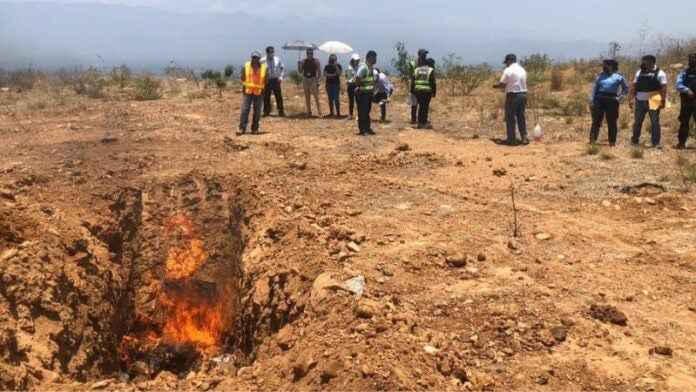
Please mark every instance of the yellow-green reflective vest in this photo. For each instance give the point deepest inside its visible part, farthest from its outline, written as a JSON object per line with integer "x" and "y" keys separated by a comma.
{"x": 421, "y": 78}
{"x": 367, "y": 84}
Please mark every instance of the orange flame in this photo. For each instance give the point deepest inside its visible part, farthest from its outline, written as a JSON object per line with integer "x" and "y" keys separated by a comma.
{"x": 190, "y": 317}
{"x": 185, "y": 259}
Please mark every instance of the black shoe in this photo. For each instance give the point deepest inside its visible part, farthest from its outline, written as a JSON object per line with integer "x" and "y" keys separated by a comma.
{"x": 592, "y": 142}
{"x": 680, "y": 146}
{"x": 413, "y": 122}
{"x": 281, "y": 114}
{"x": 370, "y": 132}
{"x": 254, "y": 131}
{"x": 361, "y": 133}
{"x": 612, "y": 144}
{"x": 266, "y": 114}
{"x": 525, "y": 140}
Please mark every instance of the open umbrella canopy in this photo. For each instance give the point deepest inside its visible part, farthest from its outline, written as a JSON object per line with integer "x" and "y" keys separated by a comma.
{"x": 299, "y": 45}
{"x": 335, "y": 47}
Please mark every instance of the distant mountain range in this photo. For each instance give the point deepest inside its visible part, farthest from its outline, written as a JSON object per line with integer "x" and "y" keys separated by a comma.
{"x": 51, "y": 36}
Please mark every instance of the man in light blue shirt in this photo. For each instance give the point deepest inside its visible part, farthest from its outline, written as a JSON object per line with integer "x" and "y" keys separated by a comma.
{"x": 686, "y": 84}
{"x": 605, "y": 98}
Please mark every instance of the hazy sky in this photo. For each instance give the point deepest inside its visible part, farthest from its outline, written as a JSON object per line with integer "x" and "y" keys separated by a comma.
{"x": 541, "y": 19}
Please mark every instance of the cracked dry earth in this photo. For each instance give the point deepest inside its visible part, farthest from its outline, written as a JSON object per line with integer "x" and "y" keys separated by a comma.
{"x": 597, "y": 293}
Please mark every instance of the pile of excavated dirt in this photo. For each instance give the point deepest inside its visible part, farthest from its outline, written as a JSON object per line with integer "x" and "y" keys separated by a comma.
{"x": 334, "y": 261}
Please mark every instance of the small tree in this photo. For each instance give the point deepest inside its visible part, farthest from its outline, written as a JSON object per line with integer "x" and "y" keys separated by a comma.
{"x": 537, "y": 63}
{"x": 402, "y": 63}
{"x": 229, "y": 71}
{"x": 147, "y": 88}
{"x": 452, "y": 70}
{"x": 211, "y": 74}
{"x": 121, "y": 75}
{"x": 472, "y": 76}
{"x": 295, "y": 77}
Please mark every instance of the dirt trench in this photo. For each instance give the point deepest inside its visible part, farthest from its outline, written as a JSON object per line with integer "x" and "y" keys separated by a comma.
{"x": 68, "y": 300}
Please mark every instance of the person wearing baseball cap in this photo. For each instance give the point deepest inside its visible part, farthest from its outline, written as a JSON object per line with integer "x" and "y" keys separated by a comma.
{"x": 254, "y": 75}
{"x": 514, "y": 81}
{"x": 350, "y": 83}
{"x": 420, "y": 61}
{"x": 605, "y": 98}
{"x": 686, "y": 84}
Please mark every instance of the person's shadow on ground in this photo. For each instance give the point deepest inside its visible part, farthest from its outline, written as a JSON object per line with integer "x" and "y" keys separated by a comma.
{"x": 505, "y": 142}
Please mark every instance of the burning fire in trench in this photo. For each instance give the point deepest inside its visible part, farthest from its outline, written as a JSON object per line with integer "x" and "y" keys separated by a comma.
{"x": 193, "y": 313}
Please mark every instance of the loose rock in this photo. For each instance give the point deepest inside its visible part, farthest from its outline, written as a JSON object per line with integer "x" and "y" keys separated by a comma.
{"x": 608, "y": 314}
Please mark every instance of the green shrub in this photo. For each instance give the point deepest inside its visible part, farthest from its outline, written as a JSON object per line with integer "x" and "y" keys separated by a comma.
{"x": 229, "y": 71}
{"x": 24, "y": 79}
{"x": 211, "y": 74}
{"x": 592, "y": 149}
{"x": 550, "y": 102}
{"x": 147, "y": 88}
{"x": 121, "y": 75}
{"x": 536, "y": 63}
{"x": 295, "y": 77}
{"x": 636, "y": 153}
{"x": 556, "y": 79}
{"x": 574, "y": 107}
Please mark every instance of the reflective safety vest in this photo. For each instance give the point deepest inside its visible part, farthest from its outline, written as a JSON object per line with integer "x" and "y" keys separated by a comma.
{"x": 254, "y": 81}
{"x": 367, "y": 84}
{"x": 421, "y": 79}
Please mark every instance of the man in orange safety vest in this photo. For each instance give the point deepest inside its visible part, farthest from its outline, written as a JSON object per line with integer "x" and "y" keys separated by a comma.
{"x": 254, "y": 77}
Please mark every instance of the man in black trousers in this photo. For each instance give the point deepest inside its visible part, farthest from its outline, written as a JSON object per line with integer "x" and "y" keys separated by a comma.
{"x": 365, "y": 87}
{"x": 276, "y": 71}
{"x": 686, "y": 84}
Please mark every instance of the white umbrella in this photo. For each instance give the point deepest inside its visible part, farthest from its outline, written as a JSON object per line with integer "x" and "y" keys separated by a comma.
{"x": 298, "y": 45}
{"x": 336, "y": 47}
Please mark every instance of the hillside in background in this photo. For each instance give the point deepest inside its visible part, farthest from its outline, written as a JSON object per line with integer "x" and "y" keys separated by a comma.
{"x": 51, "y": 36}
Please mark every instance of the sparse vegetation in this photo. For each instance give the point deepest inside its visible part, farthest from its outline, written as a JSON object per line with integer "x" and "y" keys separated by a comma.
{"x": 464, "y": 79}
{"x": 147, "y": 88}
{"x": 606, "y": 156}
{"x": 592, "y": 149}
{"x": 24, "y": 80}
{"x": 121, "y": 75}
{"x": 295, "y": 77}
{"x": 402, "y": 63}
{"x": 229, "y": 71}
{"x": 556, "y": 79}
{"x": 636, "y": 153}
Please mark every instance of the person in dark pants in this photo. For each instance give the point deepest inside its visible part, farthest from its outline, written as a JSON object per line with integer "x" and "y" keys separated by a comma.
{"x": 365, "y": 87}
{"x": 649, "y": 91}
{"x": 276, "y": 71}
{"x": 384, "y": 88}
{"x": 350, "y": 85}
{"x": 424, "y": 88}
{"x": 686, "y": 84}
{"x": 332, "y": 72}
{"x": 514, "y": 81}
{"x": 605, "y": 98}
{"x": 253, "y": 78}
{"x": 419, "y": 62}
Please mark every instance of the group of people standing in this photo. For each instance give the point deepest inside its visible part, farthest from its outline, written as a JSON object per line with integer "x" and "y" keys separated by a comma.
{"x": 365, "y": 85}
{"x": 647, "y": 96}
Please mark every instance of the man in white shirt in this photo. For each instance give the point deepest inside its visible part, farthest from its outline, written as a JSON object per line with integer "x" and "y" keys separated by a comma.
{"x": 649, "y": 86}
{"x": 276, "y": 71}
{"x": 514, "y": 81}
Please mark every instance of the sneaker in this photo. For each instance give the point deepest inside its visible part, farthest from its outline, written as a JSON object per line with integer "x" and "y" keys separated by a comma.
{"x": 657, "y": 146}
{"x": 254, "y": 131}
{"x": 242, "y": 131}
{"x": 680, "y": 146}
{"x": 525, "y": 140}
{"x": 361, "y": 133}
{"x": 428, "y": 126}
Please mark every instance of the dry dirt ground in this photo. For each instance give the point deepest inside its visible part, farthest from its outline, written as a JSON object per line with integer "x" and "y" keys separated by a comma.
{"x": 598, "y": 292}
